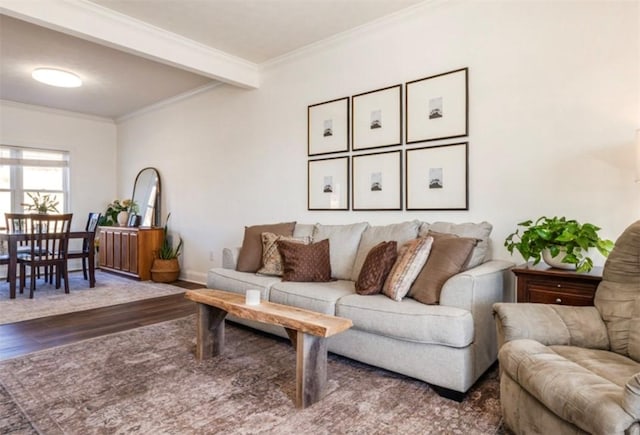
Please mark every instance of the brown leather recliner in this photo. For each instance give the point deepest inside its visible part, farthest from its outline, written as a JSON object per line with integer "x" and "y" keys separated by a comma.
{"x": 570, "y": 370}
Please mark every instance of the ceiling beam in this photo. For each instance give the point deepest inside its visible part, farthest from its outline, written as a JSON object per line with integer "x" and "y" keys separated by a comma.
{"x": 95, "y": 23}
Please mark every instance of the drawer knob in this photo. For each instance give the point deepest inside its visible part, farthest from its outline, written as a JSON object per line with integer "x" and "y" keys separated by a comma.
{"x": 559, "y": 285}
{"x": 558, "y": 301}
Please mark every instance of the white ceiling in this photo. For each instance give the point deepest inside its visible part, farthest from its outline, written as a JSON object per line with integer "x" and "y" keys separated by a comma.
{"x": 232, "y": 37}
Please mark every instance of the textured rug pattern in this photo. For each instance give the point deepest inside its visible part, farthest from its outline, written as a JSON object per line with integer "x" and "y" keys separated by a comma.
{"x": 110, "y": 289}
{"x": 147, "y": 380}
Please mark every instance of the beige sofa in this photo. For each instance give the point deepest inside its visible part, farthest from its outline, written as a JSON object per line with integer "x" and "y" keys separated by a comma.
{"x": 570, "y": 370}
{"x": 449, "y": 345}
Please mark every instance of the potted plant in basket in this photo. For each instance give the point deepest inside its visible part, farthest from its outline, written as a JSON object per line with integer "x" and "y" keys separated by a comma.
{"x": 165, "y": 267}
{"x": 560, "y": 242}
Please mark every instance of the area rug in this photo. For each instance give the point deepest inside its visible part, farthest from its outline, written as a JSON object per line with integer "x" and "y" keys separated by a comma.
{"x": 147, "y": 381}
{"x": 110, "y": 289}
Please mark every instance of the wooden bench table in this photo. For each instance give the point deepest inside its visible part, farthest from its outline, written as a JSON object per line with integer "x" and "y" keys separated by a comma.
{"x": 307, "y": 330}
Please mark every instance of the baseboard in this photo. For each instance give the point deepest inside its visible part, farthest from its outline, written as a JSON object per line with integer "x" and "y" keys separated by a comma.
{"x": 194, "y": 277}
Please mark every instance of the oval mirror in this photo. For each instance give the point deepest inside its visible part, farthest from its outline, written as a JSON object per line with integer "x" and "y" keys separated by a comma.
{"x": 146, "y": 194}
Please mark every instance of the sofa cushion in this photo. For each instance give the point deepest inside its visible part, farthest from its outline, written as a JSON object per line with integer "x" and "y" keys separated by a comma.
{"x": 239, "y": 282}
{"x": 480, "y": 231}
{"x": 449, "y": 254}
{"x": 401, "y": 233}
{"x": 568, "y": 389}
{"x": 609, "y": 365}
{"x": 376, "y": 268}
{"x": 250, "y": 257}
{"x": 304, "y": 230}
{"x": 305, "y": 263}
{"x": 408, "y": 320}
{"x": 411, "y": 258}
{"x": 315, "y": 296}
{"x": 271, "y": 258}
{"x": 343, "y": 245}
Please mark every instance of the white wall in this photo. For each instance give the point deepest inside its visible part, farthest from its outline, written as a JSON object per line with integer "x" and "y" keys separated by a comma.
{"x": 553, "y": 110}
{"x": 91, "y": 142}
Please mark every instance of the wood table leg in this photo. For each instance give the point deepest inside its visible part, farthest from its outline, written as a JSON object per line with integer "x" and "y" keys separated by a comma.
{"x": 13, "y": 264}
{"x": 293, "y": 337}
{"x": 209, "y": 331}
{"x": 311, "y": 369}
{"x": 92, "y": 266}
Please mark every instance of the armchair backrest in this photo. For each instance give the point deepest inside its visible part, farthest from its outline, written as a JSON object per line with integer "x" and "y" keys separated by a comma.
{"x": 618, "y": 295}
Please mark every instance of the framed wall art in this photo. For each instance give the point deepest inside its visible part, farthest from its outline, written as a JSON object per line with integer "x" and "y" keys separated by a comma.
{"x": 328, "y": 184}
{"x": 437, "y": 107}
{"x": 377, "y": 181}
{"x": 134, "y": 220}
{"x": 438, "y": 178}
{"x": 376, "y": 118}
{"x": 328, "y": 127}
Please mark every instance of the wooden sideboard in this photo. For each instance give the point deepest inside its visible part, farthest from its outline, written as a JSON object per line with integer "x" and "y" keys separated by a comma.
{"x": 129, "y": 251}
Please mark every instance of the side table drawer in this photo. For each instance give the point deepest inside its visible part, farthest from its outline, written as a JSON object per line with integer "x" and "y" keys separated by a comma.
{"x": 561, "y": 286}
{"x": 543, "y": 296}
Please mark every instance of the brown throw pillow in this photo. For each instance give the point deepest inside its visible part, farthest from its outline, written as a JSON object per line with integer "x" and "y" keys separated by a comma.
{"x": 271, "y": 258}
{"x": 411, "y": 258}
{"x": 449, "y": 255}
{"x": 305, "y": 263}
{"x": 376, "y": 268}
{"x": 250, "y": 257}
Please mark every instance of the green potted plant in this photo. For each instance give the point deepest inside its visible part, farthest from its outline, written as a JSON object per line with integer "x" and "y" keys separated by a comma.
{"x": 165, "y": 267}
{"x": 548, "y": 238}
{"x": 41, "y": 204}
{"x": 118, "y": 212}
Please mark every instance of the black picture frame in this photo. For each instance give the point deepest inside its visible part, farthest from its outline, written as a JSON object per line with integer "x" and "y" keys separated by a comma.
{"x": 376, "y": 118}
{"x": 134, "y": 220}
{"x": 437, "y": 177}
{"x": 437, "y": 107}
{"x": 328, "y": 127}
{"x": 377, "y": 181}
{"x": 328, "y": 184}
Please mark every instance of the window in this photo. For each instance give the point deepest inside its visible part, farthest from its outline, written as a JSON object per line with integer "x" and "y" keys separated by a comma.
{"x": 29, "y": 170}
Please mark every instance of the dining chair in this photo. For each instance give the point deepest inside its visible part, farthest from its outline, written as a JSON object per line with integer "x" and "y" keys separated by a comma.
{"x": 87, "y": 246}
{"x": 17, "y": 223}
{"x": 49, "y": 246}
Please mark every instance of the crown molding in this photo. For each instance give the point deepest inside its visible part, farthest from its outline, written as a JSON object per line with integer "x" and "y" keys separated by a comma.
{"x": 355, "y": 32}
{"x": 50, "y": 110}
{"x": 96, "y": 23}
{"x": 168, "y": 101}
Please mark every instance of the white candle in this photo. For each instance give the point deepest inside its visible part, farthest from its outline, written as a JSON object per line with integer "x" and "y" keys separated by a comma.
{"x": 252, "y": 297}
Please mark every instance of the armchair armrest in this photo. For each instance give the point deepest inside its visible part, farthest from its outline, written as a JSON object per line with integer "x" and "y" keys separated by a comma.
{"x": 230, "y": 257}
{"x": 551, "y": 324}
{"x": 631, "y": 399}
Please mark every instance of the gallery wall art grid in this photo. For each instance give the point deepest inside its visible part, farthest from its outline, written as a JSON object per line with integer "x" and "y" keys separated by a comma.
{"x": 344, "y": 172}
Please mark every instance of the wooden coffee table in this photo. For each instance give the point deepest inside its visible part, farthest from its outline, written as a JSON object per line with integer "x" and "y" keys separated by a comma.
{"x": 307, "y": 331}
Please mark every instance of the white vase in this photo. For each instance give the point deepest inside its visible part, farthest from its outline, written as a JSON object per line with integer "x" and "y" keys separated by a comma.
{"x": 123, "y": 217}
{"x": 557, "y": 260}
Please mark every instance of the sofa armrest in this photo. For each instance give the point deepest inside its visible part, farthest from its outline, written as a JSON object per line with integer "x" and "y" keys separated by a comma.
{"x": 476, "y": 290}
{"x": 551, "y": 324}
{"x": 230, "y": 257}
{"x": 631, "y": 400}
{"x": 487, "y": 283}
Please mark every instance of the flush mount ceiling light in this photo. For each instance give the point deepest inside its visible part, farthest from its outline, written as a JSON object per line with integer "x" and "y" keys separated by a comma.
{"x": 56, "y": 77}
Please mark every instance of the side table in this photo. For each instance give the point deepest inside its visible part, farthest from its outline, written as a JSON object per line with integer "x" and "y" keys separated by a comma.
{"x": 548, "y": 285}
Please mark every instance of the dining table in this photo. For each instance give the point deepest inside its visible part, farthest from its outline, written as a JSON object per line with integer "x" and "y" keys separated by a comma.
{"x": 12, "y": 239}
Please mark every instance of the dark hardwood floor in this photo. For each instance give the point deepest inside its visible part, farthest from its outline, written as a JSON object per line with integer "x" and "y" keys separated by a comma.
{"x": 31, "y": 335}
